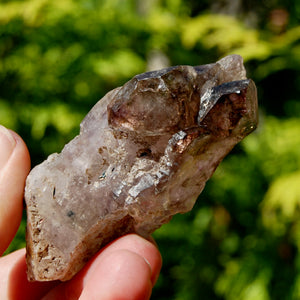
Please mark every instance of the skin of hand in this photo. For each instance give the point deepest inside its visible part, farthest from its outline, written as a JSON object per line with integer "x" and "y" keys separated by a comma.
{"x": 125, "y": 269}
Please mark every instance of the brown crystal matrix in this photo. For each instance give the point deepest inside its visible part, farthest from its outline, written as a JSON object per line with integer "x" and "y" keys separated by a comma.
{"x": 143, "y": 154}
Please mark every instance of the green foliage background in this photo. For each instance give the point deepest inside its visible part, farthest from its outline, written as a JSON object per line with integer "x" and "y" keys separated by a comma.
{"x": 58, "y": 57}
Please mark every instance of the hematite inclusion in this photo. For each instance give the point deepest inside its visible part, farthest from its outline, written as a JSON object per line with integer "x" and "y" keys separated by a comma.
{"x": 143, "y": 154}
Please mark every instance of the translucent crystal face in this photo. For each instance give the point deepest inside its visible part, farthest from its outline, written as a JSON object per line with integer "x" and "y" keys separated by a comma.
{"x": 144, "y": 153}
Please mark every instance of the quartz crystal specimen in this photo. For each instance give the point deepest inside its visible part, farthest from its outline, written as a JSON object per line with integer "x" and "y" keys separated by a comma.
{"x": 143, "y": 154}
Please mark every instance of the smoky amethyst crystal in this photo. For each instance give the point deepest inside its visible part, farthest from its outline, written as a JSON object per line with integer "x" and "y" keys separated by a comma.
{"x": 143, "y": 154}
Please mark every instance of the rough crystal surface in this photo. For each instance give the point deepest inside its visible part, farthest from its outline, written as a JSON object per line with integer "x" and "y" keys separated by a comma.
{"x": 143, "y": 154}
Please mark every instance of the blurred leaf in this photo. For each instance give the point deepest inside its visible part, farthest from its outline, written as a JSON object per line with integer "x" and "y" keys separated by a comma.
{"x": 281, "y": 204}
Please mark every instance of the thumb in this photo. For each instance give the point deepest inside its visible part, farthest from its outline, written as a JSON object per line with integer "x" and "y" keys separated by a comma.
{"x": 14, "y": 167}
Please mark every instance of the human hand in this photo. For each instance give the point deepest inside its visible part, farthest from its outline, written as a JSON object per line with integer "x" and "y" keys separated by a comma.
{"x": 125, "y": 269}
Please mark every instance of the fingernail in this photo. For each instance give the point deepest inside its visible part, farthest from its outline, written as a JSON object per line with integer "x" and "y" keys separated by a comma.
{"x": 7, "y": 145}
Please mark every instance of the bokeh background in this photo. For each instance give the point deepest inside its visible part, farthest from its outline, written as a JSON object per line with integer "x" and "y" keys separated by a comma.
{"x": 58, "y": 57}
